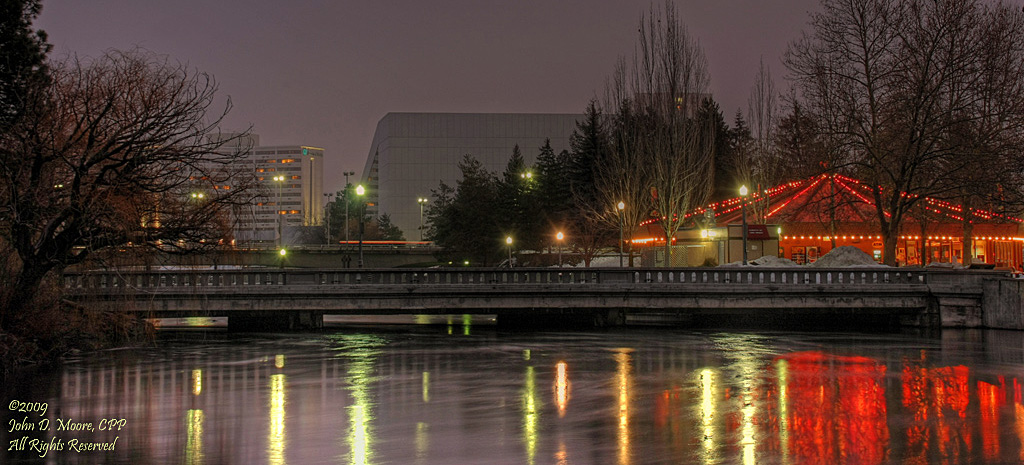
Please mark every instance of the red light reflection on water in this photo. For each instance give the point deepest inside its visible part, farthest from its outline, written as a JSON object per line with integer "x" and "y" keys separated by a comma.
{"x": 835, "y": 409}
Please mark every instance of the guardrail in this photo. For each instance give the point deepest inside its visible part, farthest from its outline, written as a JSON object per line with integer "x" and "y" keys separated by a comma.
{"x": 441, "y": 277}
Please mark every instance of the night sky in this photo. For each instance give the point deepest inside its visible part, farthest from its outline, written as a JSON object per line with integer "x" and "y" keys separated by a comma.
{"x": 323, "y": 73}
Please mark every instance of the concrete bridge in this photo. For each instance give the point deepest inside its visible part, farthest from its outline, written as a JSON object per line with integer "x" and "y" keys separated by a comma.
{"x": 293, "y": 298}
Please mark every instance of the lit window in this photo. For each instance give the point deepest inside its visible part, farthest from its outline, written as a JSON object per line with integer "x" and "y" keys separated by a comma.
{"x": 259, "y": 170}
{"x": 296, "y": 177}
{"x": 271, "y": 161}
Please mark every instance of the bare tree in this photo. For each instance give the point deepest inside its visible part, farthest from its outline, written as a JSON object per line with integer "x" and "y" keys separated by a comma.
{"x": 888, "y": 79}
{"x": 670, "y": 161}
{"x": 119, "y": 154}
{"x": 762, "y": 116}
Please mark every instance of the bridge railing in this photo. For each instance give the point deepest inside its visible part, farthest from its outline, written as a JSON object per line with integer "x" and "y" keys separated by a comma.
{"x": 735, "y": 276}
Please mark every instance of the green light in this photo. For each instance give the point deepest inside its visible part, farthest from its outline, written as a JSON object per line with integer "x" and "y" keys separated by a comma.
{"x": 360, "y": 190}
{"x": 283, "y": 252}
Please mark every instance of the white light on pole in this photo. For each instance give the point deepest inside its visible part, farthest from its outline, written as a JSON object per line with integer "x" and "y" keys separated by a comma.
{"x": 621, "y": 206}
{"x": 559, "y": 236}
{"x": 508, "y": 242}
{"x": 422, "y": 201}
{"x": 360, "y": 191}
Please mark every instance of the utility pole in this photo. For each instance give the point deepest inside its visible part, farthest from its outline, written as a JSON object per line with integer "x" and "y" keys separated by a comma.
{"x": 347, "y": 174}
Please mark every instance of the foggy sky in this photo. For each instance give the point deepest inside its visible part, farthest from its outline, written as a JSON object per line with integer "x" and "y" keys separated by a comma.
{"x": 323, "y": 73}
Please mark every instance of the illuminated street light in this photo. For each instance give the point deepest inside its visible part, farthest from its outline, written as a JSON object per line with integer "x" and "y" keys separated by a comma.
{"x": 422, "y": 201}
{"x": 621, "y": 206}
{"x": 280, "y": 220}
{"x": 508, "y": 241}
{"x": 743, "y": 209}
{"x": 559, "y": 236}
{"x": 360, "y": 191}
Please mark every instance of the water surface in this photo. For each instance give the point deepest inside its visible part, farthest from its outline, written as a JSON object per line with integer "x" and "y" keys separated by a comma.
{"x": 467, "y": 394}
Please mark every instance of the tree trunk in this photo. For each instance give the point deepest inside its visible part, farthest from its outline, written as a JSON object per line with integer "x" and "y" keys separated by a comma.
{"x": 967, "y": 255}
{"x": 889, "y": 240}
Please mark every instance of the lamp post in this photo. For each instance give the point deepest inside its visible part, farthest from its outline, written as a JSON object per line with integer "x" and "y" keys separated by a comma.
{"x": 422, "y": 201}
{"x": 621, "y": 206}
{"x": 743, "y": 210}
{"x": 347, "y": 174}
{"x": 280, "y": 228}
{"x": 360, "y": 190}
{"x": 559, "y": 236}
{"x": 508, "y": 242}
{"x": 327, "y": 215}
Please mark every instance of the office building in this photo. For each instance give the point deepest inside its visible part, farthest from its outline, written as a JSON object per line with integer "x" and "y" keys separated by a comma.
{"x": 412, "y": 153}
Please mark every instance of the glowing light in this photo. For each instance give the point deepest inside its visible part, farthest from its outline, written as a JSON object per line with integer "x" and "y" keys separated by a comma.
{"x": 467, "y": 321}
{"x": 276, "y": 435}
{"x": 559, "y": 236}
{"x": 561, "y": 388}
{"x": 743, "y": 191}
{"x": 624, "y": 375}
{"x": 530, "y": 415}
{"x": 359, "y": 413}
{"x": 426, "y": 386}
{"x": 197, "y": 382}
{"x": 283, "y": 252}
{"x": 621, "y": 206}
{"x": 360, "y": 190}
{"x": 194, "y": 437}
{"x": 508, "y": 240}
{"x": 707, "y": 413}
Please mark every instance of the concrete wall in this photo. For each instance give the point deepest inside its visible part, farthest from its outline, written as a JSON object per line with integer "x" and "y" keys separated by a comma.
{"x": 1003, "y": 303}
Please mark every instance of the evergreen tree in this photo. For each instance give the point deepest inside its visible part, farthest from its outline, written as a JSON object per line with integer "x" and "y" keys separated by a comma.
{"x": 518, "y": 203}
{"x": 709, "y": 116}
{"x": 466, "y": 227}
{"x": 23, "y": 70}
{"x": 553, "y": 194}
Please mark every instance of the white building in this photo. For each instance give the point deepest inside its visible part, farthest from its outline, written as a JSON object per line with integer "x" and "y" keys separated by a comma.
{"x": 290, "y": 181}
{"x": 412, "y": 153}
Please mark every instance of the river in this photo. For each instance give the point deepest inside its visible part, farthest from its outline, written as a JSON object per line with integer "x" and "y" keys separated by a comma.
{"x": 465, "y": 393}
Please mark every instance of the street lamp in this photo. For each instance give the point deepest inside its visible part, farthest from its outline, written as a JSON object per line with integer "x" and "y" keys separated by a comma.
{"x": 621, "y": 206}
{"x": 559, "y": 236}
{"x": 280, "y": 228}
{"x": 360, "y": 191}
{"x": 347, "y": 174}
{"x": 743, "y": 209}
{"x": 508, "y": 242}
{"x": 422, "y": 201}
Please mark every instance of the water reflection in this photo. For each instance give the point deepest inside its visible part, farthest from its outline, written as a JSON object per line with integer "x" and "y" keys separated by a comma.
{"x": 276, "y": 438}
{"x": 618, "y": 397}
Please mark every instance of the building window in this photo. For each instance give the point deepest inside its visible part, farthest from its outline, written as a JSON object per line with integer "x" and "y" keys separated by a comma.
{"x": 296, "y": 177}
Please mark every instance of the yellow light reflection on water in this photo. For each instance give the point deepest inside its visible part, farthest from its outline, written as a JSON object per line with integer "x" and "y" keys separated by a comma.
{"x": 197, "y": 382}
{"x": 561, "y": 388}
{"x": 194, "y": 439}
{"x": 426, "y": 386}
{"x": 279, "y": 361}
{"x": 530, "y": 415}
{"x": 467, "y": 321}
{"x": 360, "y": 437}
{"x": 624, "y": 374}
{"x": 275, "y": 437}
{"x": 782, "y": 370}
{"x": 707, "y": 414}
{"x": 422, "y": 440}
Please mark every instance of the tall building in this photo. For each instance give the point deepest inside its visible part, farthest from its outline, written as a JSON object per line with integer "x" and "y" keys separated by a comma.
{"x": 290, "y": 183}
{"x": 412, "y": 153}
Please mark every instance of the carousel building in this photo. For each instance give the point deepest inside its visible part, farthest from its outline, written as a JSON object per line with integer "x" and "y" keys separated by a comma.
{"x": 803, "y": 220}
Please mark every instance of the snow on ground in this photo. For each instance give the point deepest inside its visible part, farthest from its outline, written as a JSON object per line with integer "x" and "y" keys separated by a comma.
{"x": 771, "y": 260}
{"x": 844, "y": 256}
